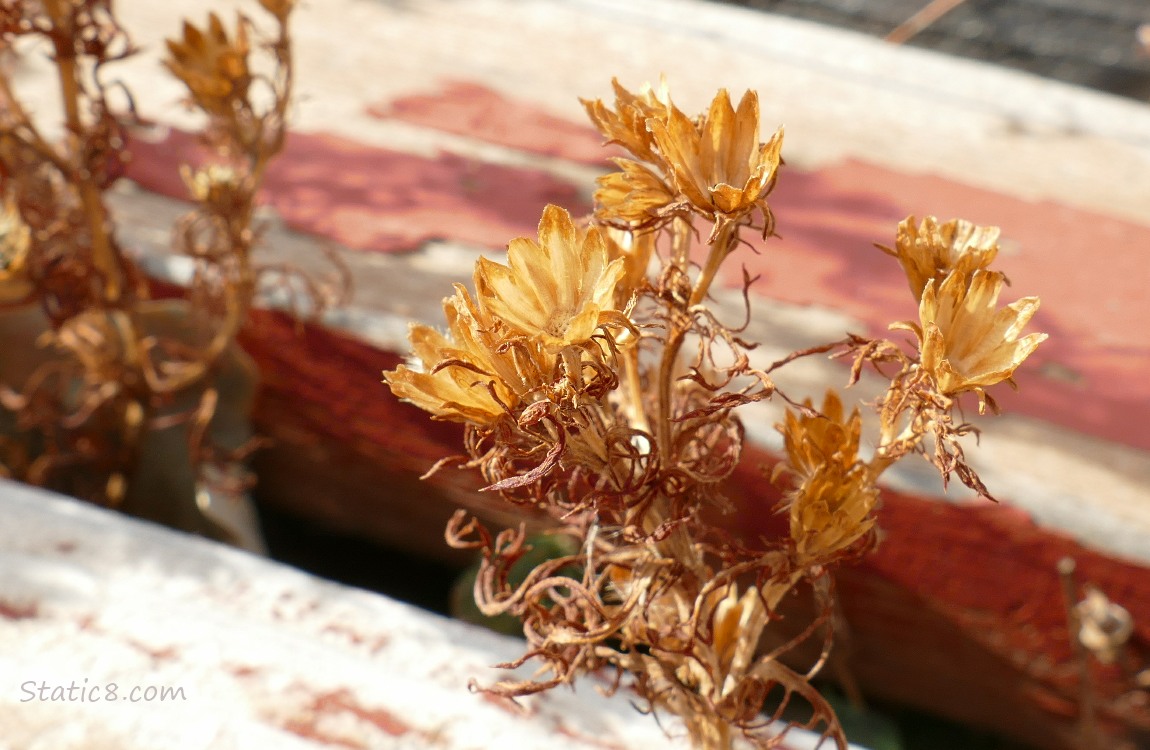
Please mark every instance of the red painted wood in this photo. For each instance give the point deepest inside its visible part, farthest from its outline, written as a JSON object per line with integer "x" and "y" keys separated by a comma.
{"x": 476, "y": 111}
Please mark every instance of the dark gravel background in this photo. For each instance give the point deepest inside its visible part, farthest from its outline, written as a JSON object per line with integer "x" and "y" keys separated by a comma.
{"x": 1091, "y": 43}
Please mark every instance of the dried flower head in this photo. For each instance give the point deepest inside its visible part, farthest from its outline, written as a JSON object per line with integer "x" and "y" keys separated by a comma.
{"x": 15, "y": 241}
{"x": 460, "y": 376}
{"x": 930, "y": 250}
{"x": 713, "y": 165}
{"x": 559, "y": 289}
{"x": 225, "y": 189}
{"x": 831, "y": 510}
{"x": 634, "y": 197}
{"x": 812, "y": 440}
{"x": 1104, "y": 627}
{"x": 627, "y": 124}
{"x": 832, "y": 503}
{"x": 213, "y": 66}
{"x": 719, "y": 165}
{"x": 967, "y": 343}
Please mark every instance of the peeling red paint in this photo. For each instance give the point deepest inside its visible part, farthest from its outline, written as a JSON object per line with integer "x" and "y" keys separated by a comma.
{"x": 1086, "y": 377}
{"x": 562, "y": 728}
{"x": 375, "y": 643}
{"x": 377, "y": 199}
{"x": 243, "y": 670}
{"x": 306, "y": 729}
{"x": 19, "y": 610}
{"x": 343, "y": 702}
{"x": 156, "y": 654}
{"x": 473, "y": 110}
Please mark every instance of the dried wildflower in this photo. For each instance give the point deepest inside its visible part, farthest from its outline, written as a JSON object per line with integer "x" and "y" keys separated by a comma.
{"x": 831, "y": 510}
{"x": 932, "y": 251}
{"x": 213, "y": 66}
{"x": 967, "y": 343}
{"x": 715, "y": 165}
{"x": 15, "y": 241}
{"x": 459, "y": 377}
{"x": 633, "y": 197}
{"x": 573, "y": 374}
{"x": 120, "y": 366}
{"x": 559, "y": 289}
{"x": 1105, "y": 626}
{"x": 719, "y": 165}
{"x": 833, "y": 501}
{"x": 216, "y": 183}
{"x": 628, "y": 124}
{"x": 813, "y": 440}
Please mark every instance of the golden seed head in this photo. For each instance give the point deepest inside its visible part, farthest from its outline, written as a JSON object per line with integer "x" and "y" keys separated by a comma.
{"x": 213, "y": 66}
{"x": 967, "y": 342}
{"x": 557, "y": 290}
{"x": 814, "y": 440}
{"x": 718, "y": 164}
{"x": 15, "y": 243}
{"x": 216, "y": 185}
{"x": 930, "y": 250}
{"x": 831, "y": 510}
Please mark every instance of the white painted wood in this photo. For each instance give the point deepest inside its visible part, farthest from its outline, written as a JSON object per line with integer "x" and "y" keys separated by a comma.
{"x": 259, "y": 655}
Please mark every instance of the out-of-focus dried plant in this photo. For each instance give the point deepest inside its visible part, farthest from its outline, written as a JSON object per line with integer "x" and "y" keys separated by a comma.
{"x": 1111, "y": 679}
{"x": 116, "y": 366}
{"x": 597, "y": 386}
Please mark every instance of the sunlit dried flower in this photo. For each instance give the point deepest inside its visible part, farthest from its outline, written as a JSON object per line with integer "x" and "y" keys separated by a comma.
{"x": 1105, "y": 626}
{"x": 627, "y": 124}
{"x": 213, "y": 66}
{"x": 573, "y": 370}
{"x": 814, "y": 440}
{"x": 719, "y": 165}
{"x": 966, "y": 342}
{"x": 457, "y": 377}
{"x": 219, "y": 186}
{"x": 931, "y": 250}
{"x": 635, "y": 196}
{"x": 559, "y": 289}
{"x": 15, "y": 241}
{"x": 831, "y": 509}
{"x": 830, "y": 506}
